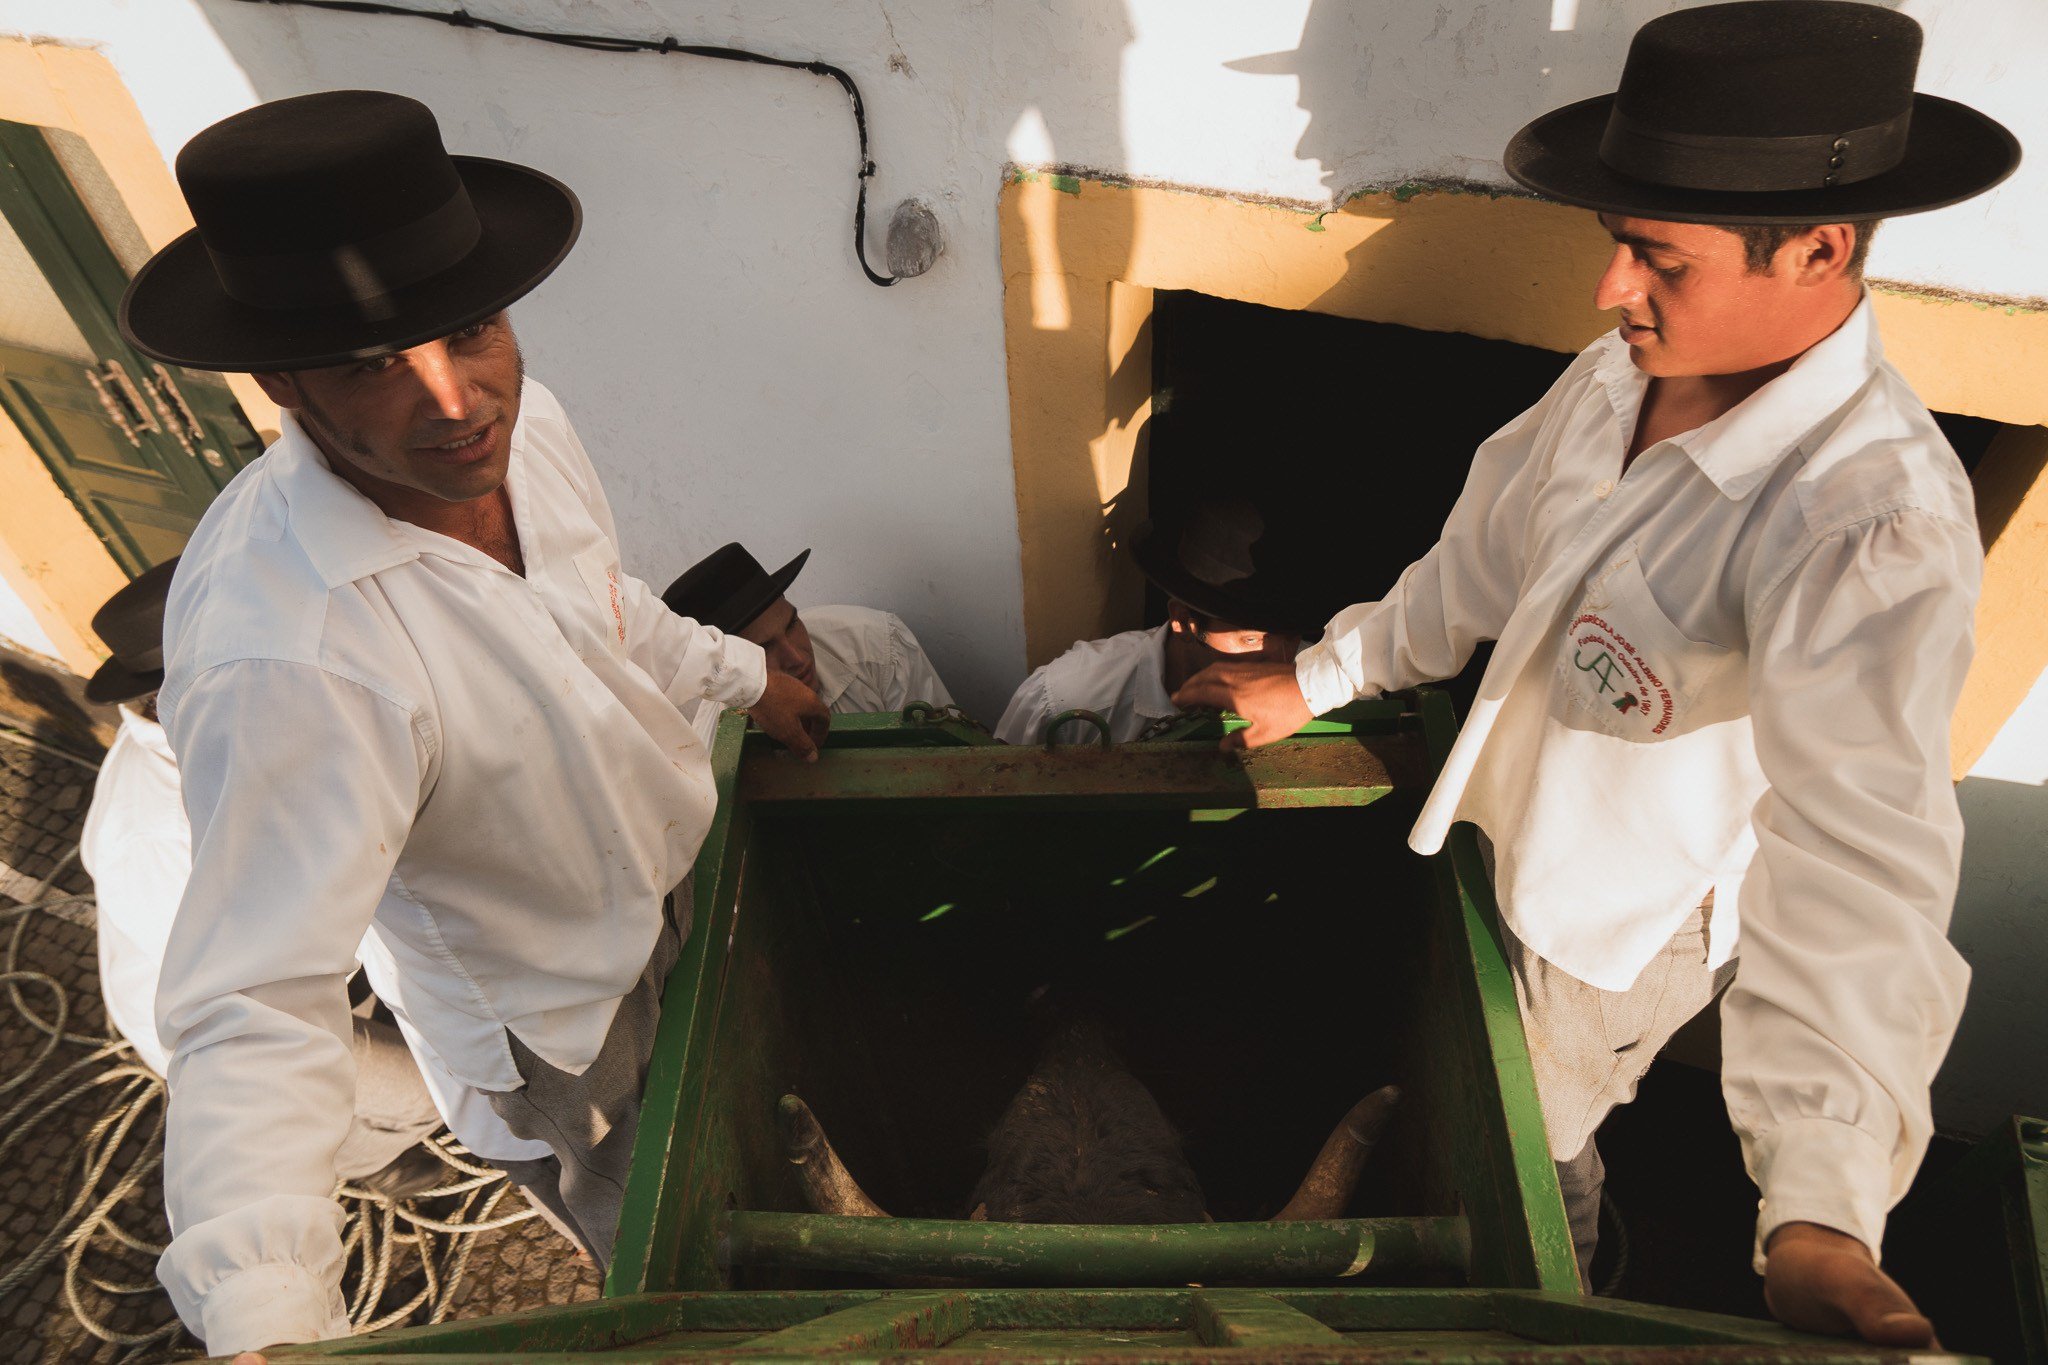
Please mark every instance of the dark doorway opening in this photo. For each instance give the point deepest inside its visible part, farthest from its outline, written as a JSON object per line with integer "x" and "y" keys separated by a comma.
{"x": 1351, "y": 438}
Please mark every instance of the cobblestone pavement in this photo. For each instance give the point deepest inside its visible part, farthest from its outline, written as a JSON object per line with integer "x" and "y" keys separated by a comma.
{"x": 44, "y": 792}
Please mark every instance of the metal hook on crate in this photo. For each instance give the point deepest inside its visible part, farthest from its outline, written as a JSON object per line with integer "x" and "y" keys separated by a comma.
{"x": 1052, "y": 726}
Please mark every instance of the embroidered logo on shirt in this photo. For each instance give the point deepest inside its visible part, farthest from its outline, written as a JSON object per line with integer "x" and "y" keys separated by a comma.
{"x": 618, "y": 610}
{"x": 1618, "y": 674}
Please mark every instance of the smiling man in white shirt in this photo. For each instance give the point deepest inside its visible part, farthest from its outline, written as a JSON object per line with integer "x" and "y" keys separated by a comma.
{"x": 412, "y": 693}
{"x": 1730, "y": 563}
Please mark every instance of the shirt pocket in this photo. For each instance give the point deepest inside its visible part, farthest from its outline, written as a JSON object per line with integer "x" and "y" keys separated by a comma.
{"x": 1623, "y": 667}
{"x": 600, "y": 575}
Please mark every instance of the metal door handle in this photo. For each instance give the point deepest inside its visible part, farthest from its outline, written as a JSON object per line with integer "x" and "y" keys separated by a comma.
{"x": 173, "y": 402}
{"x": 114, "y": 413}
{"x": 112, "y": 372}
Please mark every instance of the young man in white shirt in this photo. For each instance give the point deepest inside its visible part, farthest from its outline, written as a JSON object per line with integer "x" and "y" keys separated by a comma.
{"x": 857, "y": 659}
{"x": 411, "y": 692}
{"x": 1224, "y": 600}
{"x": 1730, "y": 564}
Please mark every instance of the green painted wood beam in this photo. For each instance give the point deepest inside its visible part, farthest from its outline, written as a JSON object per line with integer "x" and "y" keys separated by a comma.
{"x": 1335, "y": 770}
{"x": 900, "y": 1322}
{"x": 1041, "y": 1254}
{"x": 1247, "y": 1320}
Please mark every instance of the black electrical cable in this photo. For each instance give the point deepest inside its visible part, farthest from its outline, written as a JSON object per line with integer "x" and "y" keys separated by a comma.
{"x": 598, "y": 42}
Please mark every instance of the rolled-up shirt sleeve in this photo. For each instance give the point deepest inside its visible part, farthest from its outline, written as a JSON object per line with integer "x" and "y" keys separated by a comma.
{"x": 1849, "y": 991}
{"x": 687, "y": 659}
{"x": 911, "y": 675}
{"x": 301, "y": 787}
{"x": 1454, "y": 597}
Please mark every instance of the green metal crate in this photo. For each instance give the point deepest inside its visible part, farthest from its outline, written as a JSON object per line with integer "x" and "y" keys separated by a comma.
{"x": 867, "y": 930}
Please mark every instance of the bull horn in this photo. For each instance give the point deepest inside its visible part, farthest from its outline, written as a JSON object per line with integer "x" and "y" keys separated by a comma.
{"x": 1327, "y": 1187}
{"x": 828, "y": 1185}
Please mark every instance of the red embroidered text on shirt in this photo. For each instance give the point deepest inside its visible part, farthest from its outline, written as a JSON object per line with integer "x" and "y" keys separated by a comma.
{"x": 618, "y": 615}
{"x": 1605, "y": 652}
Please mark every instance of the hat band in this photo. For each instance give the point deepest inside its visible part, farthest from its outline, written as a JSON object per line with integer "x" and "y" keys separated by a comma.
{"x": 355, "y": 272}
{"x": 1752, "y": 165}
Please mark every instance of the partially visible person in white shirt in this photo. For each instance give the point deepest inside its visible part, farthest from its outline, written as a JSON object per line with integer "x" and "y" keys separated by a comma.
{"x": 1223, "y": 601}
{"x": 137, "y": 846}
{"x": 1730, "y": 564}
{"x": 411, "y": 689}
{"x": 857, "y": 659}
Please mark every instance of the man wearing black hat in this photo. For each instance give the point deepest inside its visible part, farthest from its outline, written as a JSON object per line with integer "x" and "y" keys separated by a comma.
{"x": 412, "y": 691}
{"x": 1224, "y": 601}
{"x": 1730, "y": 564}
{"x": 856, "y": 659}
{"x": 137, "y": 845}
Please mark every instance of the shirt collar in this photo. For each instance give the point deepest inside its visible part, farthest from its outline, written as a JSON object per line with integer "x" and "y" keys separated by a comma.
{"x": 1149, "y": 698}
{"x": 344, "y": 534}
{"x": 146, "y": 732}
{"x": 347, "y": 536}
{"x": 834, "y": 675}
{"x": 1738, "y": 449}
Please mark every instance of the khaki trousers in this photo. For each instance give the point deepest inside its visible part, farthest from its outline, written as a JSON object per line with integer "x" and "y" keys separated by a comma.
{"x": 588, "y": 1120}
{"x": 1590, "y": 1048}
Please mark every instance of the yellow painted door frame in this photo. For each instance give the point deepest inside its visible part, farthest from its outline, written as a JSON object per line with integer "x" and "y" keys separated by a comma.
{"x": 49, "y": 554}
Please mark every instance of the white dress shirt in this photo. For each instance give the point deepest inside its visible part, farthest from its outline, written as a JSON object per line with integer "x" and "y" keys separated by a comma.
{"x": 137, "y": 845}
{"x": 378, "y": 724}
{"x": 1730, "y": 668}
{"x": 1122, "y": 679}
{"x": 868, "y": 660}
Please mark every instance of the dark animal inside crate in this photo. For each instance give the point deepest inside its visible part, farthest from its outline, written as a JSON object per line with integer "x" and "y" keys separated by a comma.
{"x": 1084, "y": 1142}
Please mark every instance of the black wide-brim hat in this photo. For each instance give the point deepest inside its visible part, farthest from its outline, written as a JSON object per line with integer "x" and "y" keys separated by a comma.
{"x": 131, "y": 624}
{"x": 1210, "y": 561}
{"x": 728, "y": 588}
{"x": 1766, "y": 111}
{"x": 334, "y": 227}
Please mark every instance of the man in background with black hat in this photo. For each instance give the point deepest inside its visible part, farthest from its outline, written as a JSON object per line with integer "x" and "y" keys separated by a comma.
{"x": 1224, "y": 601}
{"x": 412, "y": 693}
{"x": 1730, "y": 563}
{"x": 857, "y": 659}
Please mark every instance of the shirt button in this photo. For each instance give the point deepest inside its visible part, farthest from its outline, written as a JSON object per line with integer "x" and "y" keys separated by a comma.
{"x": 1603, "y": 488}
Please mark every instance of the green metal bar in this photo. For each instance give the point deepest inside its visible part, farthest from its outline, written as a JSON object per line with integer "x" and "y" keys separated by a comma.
{"x": 1252, "y": 1321}
{"x": 1328, "y": 771}
{"x": 2026, "y": 1219}
{"x": 900, "y": 1322}
{"x": 1575, "y": 1320}
{"x": 1027, "y": 1253}
{"x": 644, "y": 1256}
{"x": 1508, "y": 1180}
{"x": 598, "y": 1326}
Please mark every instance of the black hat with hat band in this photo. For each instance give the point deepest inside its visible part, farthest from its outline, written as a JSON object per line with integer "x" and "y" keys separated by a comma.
{"x": 1766, "y": 111}
{"x": 335, "y": 226}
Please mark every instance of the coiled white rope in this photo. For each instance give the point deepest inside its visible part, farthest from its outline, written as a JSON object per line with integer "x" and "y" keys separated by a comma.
{"x": 386, "y": 1245}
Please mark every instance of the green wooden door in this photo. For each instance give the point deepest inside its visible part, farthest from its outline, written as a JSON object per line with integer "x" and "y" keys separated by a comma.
{"x": 139, "y": 448}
